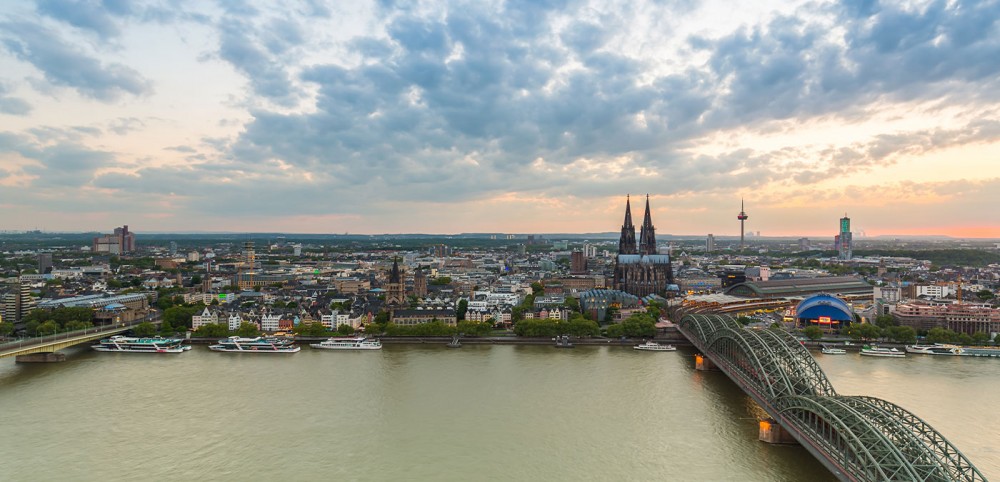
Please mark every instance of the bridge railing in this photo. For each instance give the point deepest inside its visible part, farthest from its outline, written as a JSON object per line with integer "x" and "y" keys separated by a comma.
{"x": 65, "y": 335}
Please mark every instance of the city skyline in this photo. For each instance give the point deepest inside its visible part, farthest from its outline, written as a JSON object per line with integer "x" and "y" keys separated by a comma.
{"x": 521, "y": 117}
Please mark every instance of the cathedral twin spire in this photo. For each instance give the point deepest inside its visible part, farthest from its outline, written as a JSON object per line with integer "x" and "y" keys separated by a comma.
{"x": 647, "y": 236}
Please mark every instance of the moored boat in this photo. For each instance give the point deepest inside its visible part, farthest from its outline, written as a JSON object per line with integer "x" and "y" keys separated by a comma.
{"x": 126, "y": 344}
{"x": 954, "y": 350}
{"x": 829, "y": 350}
{"x": 255, "y": 345}
{"x": 352, "y": 343}
{"x": 935, "y": 349}
{"x": 654, "y": 346}
{"x": 873, "y": 350}
{"x": 981, "y": 351}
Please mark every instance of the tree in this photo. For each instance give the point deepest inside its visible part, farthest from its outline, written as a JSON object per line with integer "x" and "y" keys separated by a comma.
{"x": 941, "y": 335}
{"x": 537, "y": 289}
{"x": 609, "y": 314}
{"x": 345, "y": 329}
{"x": 744, "y": 320}
{"x": 980, "y": 338}
{"x": 247, "y": 330}
{"x": 463, "y": 308}
{"x": 474, "y": 328}
{"x": 166, "y": 328}
{"x": 180, "y": 316}
{"x": 574, "y": 305}
{"x": 440, "y": 281}
{"x": 144, "y": 329}
{"x": 985, "y": 295}
{"x": 48, "y": 328}
{"x": 6, "y": 328}
{"x": 580, "y": 326}
{"x": 78, "y": 325}
{"x": 813, "y": 332}
{"x": 885, "y": 321}
{"x": 614, "y": 331}
{"x": 903, "y": 334}
{"x": 213, "y": 330}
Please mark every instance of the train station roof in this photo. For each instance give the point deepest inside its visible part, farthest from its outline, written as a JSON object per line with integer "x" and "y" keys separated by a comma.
{"x": 800, "y": 287}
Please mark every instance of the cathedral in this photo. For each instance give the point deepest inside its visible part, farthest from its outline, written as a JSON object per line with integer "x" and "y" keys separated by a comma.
{"x": 641, "y": 271}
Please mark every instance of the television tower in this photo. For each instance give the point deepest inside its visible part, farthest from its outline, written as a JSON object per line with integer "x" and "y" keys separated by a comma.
{"x": 742, "y": 217}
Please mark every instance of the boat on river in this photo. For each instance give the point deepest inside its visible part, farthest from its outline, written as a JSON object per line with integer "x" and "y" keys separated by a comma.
{"x": 562, "y": 341}
{"x": 255, "y": 345}
{"x": 831, "y": 350}
{"x": 654, "y": 346}
{"x": 353, "y": 343}
{"x": 954, "y": 350}
{"x": 126, "y": 344}
{"x": 935, "y": 349}
{"x": 874, "y": 350}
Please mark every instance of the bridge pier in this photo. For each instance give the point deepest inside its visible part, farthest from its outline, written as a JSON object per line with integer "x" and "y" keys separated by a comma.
{"x": 43, "y": 357}
{"x": 772, "y": 433}
{"x": 702, "y": 363}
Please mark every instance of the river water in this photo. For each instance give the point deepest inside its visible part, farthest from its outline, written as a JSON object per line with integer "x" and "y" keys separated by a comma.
{"x": 421, "y": 412}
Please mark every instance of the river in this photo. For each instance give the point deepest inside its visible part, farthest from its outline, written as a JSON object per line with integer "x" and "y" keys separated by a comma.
{"x": 420, "y": 412}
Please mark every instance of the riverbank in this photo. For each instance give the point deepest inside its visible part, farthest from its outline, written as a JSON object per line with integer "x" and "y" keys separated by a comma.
{"x": 485, "y": 340}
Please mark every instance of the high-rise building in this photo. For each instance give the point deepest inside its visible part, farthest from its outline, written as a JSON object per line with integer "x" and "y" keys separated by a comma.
{"x": 44, "y": 263}
{"x": 173, "y": 248}
{"x": 710, "y": 243}
{"x": 804, "y": 244}
{"x": 578, "y": 262}
{"x": 844, "y": 241}
{"x": 121, "y": 242}
{"x": 641, "y": 271}
{"x": 17, "y": 303}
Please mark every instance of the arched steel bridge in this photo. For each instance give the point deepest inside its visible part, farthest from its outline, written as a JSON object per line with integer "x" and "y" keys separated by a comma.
{"x": 858, "y": 438}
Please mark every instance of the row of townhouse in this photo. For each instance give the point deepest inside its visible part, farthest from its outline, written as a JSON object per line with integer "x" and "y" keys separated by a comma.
{"x": 499, "y": 315}
{"x": 272, "y": 322}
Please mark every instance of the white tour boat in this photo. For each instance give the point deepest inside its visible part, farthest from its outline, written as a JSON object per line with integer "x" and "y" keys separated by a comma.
{"x": 255, "y": 345}
{"x": 354, "y": 343}
{"x": 935, "y": 349}
{"x": 128, "y": 344}
{"x": 872, "y": 350}
{"x": 654, "y": 346}
{"x": 829, "y": 350}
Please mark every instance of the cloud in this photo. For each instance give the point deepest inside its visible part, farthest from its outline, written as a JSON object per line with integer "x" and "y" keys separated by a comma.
{"x": 434, "y": 104}
{"x": 267, "y": 76}
{"x": 12, "y": 105}
{"x": 85, "y": 14}
{"x": 65, "y": 65}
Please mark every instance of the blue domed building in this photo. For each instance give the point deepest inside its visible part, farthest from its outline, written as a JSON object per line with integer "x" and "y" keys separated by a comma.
{"x": 825, "y": 311}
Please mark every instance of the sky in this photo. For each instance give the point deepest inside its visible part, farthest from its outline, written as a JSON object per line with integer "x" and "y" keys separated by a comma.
{"x": 520, "y": 116}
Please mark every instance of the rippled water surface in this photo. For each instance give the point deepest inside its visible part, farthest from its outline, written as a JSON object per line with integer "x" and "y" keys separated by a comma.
{"x": 430, "y": 413}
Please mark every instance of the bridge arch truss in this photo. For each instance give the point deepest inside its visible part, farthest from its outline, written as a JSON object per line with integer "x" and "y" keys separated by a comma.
{"x": 858, "y": 438}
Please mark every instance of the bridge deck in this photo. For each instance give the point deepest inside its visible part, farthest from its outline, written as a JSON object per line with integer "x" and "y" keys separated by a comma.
{"x": 59, "y": 341}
